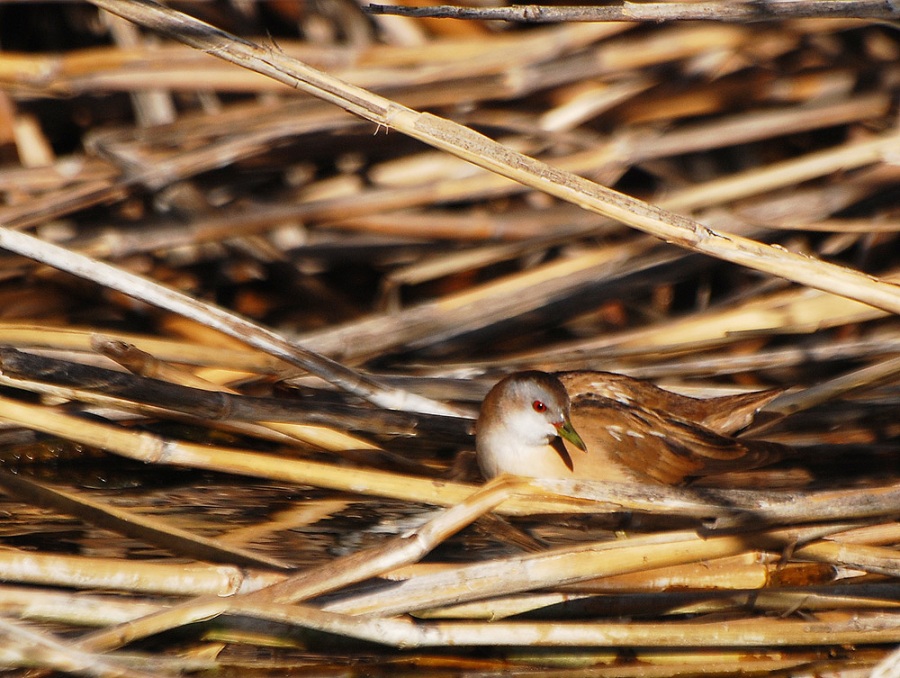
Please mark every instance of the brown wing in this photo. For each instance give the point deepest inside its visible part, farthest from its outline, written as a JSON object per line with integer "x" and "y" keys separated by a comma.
{"x": 633, "y": 443}
{"x": 726, "y": 415}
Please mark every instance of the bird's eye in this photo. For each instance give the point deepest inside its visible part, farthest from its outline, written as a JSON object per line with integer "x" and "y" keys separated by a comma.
{"x": 538, "y": 406}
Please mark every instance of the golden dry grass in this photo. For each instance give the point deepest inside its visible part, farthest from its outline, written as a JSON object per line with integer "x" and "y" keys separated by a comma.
{"x": 244, "y": 334}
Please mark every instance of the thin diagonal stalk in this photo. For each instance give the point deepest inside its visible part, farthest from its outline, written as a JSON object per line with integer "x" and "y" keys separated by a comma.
{"x": 479, "y": 149}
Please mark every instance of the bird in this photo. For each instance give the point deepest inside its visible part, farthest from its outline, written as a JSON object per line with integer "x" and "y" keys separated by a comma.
{"x": 603, "y": 426}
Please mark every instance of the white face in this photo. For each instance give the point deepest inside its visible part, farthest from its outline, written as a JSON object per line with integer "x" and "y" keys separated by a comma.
{"x": 528, "y": 424}
{"x": 525, "y": 415}
{"x": 532, "y": 411}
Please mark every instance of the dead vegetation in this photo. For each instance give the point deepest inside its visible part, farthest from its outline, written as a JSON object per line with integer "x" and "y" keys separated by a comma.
{"x": 244, "y": 334}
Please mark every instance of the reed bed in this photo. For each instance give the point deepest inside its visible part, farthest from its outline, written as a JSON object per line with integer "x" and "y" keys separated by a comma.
{"x": 262, "y": 261}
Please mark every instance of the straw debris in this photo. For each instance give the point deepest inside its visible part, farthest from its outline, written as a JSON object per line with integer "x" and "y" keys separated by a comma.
{"x": 262, "y": 261}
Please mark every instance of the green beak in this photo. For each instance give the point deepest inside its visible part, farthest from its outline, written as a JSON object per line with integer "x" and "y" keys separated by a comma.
{"x": 566, "y": 431}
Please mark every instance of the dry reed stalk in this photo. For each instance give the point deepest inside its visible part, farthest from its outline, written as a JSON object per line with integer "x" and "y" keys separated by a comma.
{"x": 26, "y": 647}
{"x": 673, "y": 604}
{"x": 870, "y": 628}
{"x": 98, "y": 247}
{"x": 480, "y": 150}
{"x": 66, "y": 200}
{"x": 143, "y": 364}
{"x": 305, "y": 515}
{"x": 787, "y": 404}
{"x": 794, "y": 310}
{"x": 251, "y": 605}
{"x": 881, "y": 534}
{"x": 54, "y": 176}
{"x": 634, "y": 146}
{"x": 173, "y": 67}
{"x": 787, "y": 173}
{"x": 888, "y": 666}
{"x": 670, "y": 362}
{"x": 542, "y": 570}
{"x": 315, "y": 581}
{"x": 98, "y": 385}
{"x": 398, "y": 552}
{"x": 473, "y": 308}
{"x": 873, "y": 559}
{"x": 846, "y": 226}
{"x": 115, "y": 408}
{"x": 150, "y": 448}
{"x": 88, "y": 609}
{"x": 759, "y": 506}
{"x": 153, "y": 449}
{"x": 748, "y": 570}
{"x": 115, "y": 574}
{"x": 172, "y": 401}
{"x": 85, "y": 609}
{"x": 172, "y": 350}
{"x": 152, "y": 530}
{"x": 765, "y": 94}
{"x": 874, "y": 628}
{"x": 656, "y": 12}
{"x": 217, "y": 318}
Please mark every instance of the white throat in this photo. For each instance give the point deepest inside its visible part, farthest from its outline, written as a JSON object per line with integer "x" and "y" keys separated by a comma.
{"x": 520, "y": 446}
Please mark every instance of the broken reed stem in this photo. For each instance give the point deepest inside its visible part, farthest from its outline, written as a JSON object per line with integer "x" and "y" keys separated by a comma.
{"x": 480, "y": 150}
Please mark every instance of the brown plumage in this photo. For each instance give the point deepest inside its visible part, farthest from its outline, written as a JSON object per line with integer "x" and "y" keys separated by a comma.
{"x": 726, "y": 414}
{"x": 631, "y": 430}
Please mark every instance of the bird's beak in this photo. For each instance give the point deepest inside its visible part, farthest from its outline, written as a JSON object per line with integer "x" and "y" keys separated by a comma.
{"x": 567, "y": 432}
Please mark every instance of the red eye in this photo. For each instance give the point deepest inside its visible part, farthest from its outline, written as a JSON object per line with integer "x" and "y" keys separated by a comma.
{"x": 538, "y": 406}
